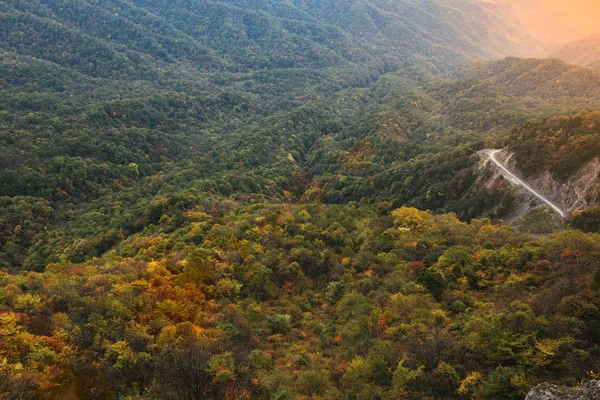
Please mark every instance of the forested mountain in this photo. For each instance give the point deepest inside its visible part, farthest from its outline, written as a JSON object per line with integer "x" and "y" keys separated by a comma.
{"x": 248, "y": 35}
{"x": 563, "y": 144}
{"x": 204, "y": 199}
{"x": 584, "y": 52}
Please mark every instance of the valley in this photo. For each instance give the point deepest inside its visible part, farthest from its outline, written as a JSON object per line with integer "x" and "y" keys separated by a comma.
{"x": 267, "y": 199}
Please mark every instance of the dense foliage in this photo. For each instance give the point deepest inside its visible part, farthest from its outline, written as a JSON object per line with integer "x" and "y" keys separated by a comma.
{"x": 267, "y": 301}
{"x": 213, "y": 199}
{"x": 117, "y": 166}
{"x": 587, "y": 220}
{"x": 562, "y": 145}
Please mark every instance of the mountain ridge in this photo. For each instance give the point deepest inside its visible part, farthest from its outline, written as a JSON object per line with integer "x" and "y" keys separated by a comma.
{"x": 585, "y": 52}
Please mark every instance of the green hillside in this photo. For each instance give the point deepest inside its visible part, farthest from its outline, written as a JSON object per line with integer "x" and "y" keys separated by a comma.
{"x": 226, "y": 199}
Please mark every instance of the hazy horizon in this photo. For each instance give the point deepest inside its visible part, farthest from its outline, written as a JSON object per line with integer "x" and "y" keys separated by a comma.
{"x": 556, "y": 21}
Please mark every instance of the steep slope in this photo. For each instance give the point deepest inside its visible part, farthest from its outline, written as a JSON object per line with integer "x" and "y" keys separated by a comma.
{"x": 561, "y": 155}
{"x": 541, "y": 201}
{"x": 511, "y": 176}
{"x": 561, "y": 145}
{"x": 557, "y": 157}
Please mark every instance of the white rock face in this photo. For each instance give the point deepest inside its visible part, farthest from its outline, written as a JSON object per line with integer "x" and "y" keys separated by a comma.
{"x": 546, "y": 391}
{"x": 580, "y": 191}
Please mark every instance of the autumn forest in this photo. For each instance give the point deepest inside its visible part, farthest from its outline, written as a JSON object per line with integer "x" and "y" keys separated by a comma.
{"x": 268, "y": 199}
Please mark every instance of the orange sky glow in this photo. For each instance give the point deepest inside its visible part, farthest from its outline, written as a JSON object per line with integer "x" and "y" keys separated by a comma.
{"x": 559, "y": 21}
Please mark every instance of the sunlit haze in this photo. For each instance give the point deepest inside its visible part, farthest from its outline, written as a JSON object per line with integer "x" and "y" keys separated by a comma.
{"x": 558, "y": 21}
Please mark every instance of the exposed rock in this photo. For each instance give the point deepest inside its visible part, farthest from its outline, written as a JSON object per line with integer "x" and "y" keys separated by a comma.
{"x": 490, "y": 176}
{"x": 580, "y": 191}
{"x": 545, "y": 391}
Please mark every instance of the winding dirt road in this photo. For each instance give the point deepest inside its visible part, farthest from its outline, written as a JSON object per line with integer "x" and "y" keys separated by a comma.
{"x": 516, "y": 180}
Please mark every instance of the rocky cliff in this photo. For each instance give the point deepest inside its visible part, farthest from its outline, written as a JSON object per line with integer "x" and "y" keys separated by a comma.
{"x": 546, "y": 391}
{"x": 580, "y": 191}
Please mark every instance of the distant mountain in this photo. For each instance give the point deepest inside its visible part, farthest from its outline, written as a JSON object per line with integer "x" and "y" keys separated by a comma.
{"x": 585, "y": 52}
{"x": 124, "y": 38}
{"x": 555, "y": 22}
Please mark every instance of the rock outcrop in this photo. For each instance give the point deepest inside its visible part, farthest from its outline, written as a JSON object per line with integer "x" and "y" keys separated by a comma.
{"x": 580, "y": 191}
{"x": 546, "y": 391}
